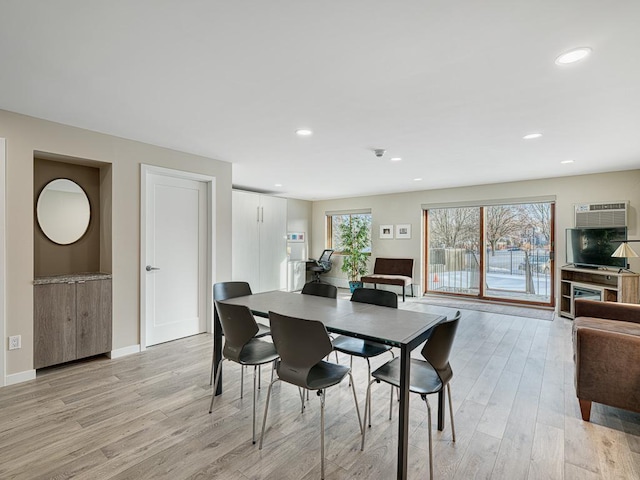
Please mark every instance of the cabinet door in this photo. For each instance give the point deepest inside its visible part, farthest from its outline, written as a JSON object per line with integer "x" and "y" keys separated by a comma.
{"x": 245, "y": 257}
{"x": 54, "y": 324}
{"x": 273, "y": 243}
{"x": 93, "y": 317}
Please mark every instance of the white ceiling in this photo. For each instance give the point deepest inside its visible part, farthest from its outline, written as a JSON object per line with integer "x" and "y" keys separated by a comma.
{"x": 449, "y": 86}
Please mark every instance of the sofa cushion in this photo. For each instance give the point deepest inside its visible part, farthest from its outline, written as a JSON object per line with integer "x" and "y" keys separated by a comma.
{"x": 387, "y": 279}
{"x": 610, "y": 325}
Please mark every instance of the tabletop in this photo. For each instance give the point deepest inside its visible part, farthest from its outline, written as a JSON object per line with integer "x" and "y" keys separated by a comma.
{"x": 392, "y": 326}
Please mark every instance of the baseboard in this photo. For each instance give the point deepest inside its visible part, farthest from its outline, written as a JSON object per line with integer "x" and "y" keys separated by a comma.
{"x": 20, "y": 377}
{"x": 124, "y": 351}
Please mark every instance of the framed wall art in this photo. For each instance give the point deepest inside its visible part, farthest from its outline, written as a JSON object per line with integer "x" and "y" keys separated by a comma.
{"x": 386, "y": 231}
{"x": 403, "y": 231}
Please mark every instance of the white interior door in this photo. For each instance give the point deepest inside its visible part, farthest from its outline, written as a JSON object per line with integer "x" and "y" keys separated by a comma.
{"x": 176, "y": 239}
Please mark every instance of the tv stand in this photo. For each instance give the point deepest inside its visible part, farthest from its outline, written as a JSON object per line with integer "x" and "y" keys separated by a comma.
{"x": 595, "y": 284}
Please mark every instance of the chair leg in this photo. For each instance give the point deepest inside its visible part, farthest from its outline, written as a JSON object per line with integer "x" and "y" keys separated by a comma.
{"x": 391, "y": 403}
{"x": 253, "y": 431}
{"x": 426, "y": 400}
{"x": 266, "y": 409}
{"x": 369, "y": 376}
{"x": 355, "y": 399}
{"x": 301, "y": 392}
{"x": 213, "y": 360}
{"x": 350, "y": 367}
{"x": 259, "y": 377}
{"x": 393, "y": 355}
{"x": 242, "y": 367}
{"x": 215, "y": 385}
{"x": 453, "y": 427}
{"x": 321, "y": 394}
{"x": 336, "y": 352}
{"x": 366, "y": 408}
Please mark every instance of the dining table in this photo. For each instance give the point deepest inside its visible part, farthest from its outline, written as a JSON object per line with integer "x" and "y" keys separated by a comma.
{"x": 404, "y": 329}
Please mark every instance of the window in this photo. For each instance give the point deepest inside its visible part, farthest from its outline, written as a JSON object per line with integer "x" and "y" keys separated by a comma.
{"x": 333, "y": 228}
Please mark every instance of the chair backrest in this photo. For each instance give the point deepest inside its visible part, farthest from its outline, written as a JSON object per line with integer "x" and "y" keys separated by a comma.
{"x": 301, "y": 345}
{"x": 226, "y": 290}
{"x": 383, "y": 298}
{"x": 238, "y": 326}
{"x": 320, "y": 290}
{"x": 326, "y": 256}
{"x": 438, "y": 348}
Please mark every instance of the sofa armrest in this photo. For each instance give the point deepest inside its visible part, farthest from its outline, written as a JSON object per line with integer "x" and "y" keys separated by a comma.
{"x": 625, "y": 312}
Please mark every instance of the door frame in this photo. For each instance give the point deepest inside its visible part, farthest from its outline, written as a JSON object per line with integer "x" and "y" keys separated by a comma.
{"x": 3, "y": 264}
{"x": 145, "y": 171}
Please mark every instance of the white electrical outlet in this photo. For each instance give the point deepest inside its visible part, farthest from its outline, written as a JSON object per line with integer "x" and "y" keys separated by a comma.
{"x": 15, "y": 342}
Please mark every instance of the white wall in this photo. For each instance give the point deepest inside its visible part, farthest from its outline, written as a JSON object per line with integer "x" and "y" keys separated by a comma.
{"x": 406, "y": 208}
{"x": 24, "y": 135}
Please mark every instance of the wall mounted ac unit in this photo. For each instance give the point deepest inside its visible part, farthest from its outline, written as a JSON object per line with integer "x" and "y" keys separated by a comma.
{"x": 611, "y": 214}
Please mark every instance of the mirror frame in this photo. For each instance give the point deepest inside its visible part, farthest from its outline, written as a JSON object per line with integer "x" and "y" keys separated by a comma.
{"x": 37, "y": 212}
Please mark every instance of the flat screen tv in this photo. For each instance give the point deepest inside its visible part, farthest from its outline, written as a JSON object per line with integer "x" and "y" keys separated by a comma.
{"x": 592, "y": 247}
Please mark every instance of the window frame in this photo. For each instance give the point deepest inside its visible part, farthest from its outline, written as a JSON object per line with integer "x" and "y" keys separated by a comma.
{"x": 329, "y": 228}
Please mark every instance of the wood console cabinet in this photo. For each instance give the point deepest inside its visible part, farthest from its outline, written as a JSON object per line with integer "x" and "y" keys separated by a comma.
{"x": 72, "y": 318}
{"x": 603, "y": 285}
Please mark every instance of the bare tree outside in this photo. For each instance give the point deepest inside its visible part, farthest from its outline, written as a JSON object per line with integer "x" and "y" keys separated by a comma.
{"x": 538, "y": 217}
{"x": 453, "y": 227}
{"x": 502, "y": 221}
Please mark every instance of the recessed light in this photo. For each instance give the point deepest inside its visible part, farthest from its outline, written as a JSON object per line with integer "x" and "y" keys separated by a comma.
{"x": 531, "y": 136}
{"x": 303, "y": 132}
{"x": 566, "y": 161}
{"x": 277, "y": 185}
{"x": 417, "y": 179}
{"x": 396, "y": 159}
{"x": 573, "y": 56}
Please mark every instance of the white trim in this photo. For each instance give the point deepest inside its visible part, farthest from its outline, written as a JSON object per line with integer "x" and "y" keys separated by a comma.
{"x": 490, "y": 202}
{"x": 21, "y": 377}
{"x": 353, "y": 211}
{"x": 3, "y": 266}
{"x": 145, "y": 170}
{"x": 124, "y": 351}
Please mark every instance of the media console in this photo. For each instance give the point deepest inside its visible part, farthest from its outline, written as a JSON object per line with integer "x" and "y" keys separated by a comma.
{"x": 594, "y": 284}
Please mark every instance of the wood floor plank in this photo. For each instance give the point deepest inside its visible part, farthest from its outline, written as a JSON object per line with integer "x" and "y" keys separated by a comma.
{"x": 146, "y": 416}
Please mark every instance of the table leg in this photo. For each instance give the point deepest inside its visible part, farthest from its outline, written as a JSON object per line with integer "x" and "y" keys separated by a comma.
{"x": 217, "y": 349}
{"x": 403, "y": 416}
{"x": 441, "y": 409}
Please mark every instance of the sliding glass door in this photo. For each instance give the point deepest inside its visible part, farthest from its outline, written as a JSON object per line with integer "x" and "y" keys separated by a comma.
{"x": 454, "y": 250}
{"x": 502, "y": 252}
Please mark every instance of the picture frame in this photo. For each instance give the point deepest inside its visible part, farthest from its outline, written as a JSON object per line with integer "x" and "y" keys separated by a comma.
{"x": 386, "y": 231}
{"x": 295, "y": 237}
{"x": 403, "y": 231}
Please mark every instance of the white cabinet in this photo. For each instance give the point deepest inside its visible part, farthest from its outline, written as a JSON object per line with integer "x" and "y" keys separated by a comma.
{"x": 259, "y": 235}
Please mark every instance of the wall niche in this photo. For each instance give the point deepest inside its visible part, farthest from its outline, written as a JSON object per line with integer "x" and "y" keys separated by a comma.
{"x": 72, "y": 284}
{"x": 91, "y": 253}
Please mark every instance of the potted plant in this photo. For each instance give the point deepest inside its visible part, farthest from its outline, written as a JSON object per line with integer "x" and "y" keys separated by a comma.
{"x": 353, "y": 235}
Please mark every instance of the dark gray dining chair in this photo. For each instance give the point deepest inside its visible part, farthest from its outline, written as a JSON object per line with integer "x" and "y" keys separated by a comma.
{"x": 320, "y": 290}
{"x": 357, "y": 347}
{"x": 224, "y": 291}
{"x": 302, "y": 345}
{"x": 241, "y": 346}
{"x": 428, "y": 376}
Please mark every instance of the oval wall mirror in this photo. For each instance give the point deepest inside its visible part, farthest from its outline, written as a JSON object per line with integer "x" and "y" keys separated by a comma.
{"x": 63, "y": 211}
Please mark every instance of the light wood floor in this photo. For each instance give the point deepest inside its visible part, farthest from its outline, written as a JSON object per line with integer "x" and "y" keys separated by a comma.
{"x": 145, "y": 417}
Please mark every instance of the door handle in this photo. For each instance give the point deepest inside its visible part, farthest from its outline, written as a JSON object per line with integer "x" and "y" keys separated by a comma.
{"x": 150, "y": 268}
